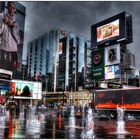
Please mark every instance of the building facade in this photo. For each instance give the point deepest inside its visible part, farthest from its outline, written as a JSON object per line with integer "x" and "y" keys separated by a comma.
{"x": 61, "y": 57}
{"x": 37, "y": 58}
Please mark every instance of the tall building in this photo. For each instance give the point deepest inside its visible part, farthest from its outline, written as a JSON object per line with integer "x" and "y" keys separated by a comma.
{"x": 37, "y": 58}
{"x": 20, "y": 18}
{"x": 62, "y": 59}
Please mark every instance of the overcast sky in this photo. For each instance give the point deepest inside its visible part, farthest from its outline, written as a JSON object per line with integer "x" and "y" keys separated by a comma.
{"x": 77, "y": 17}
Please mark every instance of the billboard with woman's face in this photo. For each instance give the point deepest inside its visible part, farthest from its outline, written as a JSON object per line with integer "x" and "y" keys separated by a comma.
{"x": 12, "y": 20}
{"x": 112, "y": 55}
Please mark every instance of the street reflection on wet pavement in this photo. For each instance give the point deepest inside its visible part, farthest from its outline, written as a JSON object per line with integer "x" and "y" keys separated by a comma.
{"x": 56, "y": 126}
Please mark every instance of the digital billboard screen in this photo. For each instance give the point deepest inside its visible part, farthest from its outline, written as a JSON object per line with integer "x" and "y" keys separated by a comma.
{"x": 117, "y": 28}
{"x": 112, "y": 55}
{"x": 108, "y": 30}
{"x": 11, "y": 35}
{"x": 26, "y": 89}
{"x": 60, "y": 47}
{"x": 112, "y": 72}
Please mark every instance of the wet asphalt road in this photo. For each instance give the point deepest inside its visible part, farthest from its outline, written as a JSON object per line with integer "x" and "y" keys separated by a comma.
{"x": 55, "y": 126}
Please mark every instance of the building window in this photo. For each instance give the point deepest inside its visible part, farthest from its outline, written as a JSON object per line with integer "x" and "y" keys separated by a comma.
{"x": 36, "y": 48}
{"x": 30, "y": 49}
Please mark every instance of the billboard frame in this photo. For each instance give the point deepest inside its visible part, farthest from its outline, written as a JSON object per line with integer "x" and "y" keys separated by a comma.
{"x": 125, "y": 30}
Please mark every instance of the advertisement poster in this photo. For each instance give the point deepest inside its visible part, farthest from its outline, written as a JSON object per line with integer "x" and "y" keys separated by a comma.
{"x": 26, "y": 89}
{"x": 12, "y": 19}
{"x": 108, "y": 31}
{"x": 112, "y": 72}
{"x": 97, "y": 67}
{"x": 112, "y": 55}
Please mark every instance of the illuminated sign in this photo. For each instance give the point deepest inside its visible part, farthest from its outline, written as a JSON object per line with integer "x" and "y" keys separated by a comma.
{"x": 60, "y": 47}
{"x": 112, "y": 55}
{"x": 97, "y": 58}
{"x": 89, "y": 85}
{"x": 114, "y": 85}
{"x": 112, "y": 30}
{"x": 32, "y": 90}
{"x": 112, "y": 72}
{"x": 103, "y": 85}
{"x": 108, "y": 31}
{"x": 5, "y": 76}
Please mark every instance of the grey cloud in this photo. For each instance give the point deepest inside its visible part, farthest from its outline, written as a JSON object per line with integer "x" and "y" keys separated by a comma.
{"x": 77, "y": 17}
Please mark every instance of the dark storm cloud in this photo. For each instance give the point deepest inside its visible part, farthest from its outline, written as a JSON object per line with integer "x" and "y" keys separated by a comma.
{"x": 77, "y": 17}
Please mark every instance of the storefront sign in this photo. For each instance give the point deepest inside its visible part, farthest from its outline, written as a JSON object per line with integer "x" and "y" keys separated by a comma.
{"x": 114, "y": 85}
{"x": 5, "y": 76}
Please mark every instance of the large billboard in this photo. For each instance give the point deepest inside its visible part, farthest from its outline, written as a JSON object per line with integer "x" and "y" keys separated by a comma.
{"x": 108, "y": 30}
{"x": 115, "y": 29}
{"x": 97, "y": 65}
{"x": 112, "y": 55}
{"x": 26, "y": 89}
{"x": 112, "y": 72}
{"x": 11, "y": 35}
{"x": 62, "y": 55}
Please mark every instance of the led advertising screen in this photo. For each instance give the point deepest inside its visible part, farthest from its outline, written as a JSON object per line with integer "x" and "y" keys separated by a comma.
{"x": 26, "y": 89}
{"x": 115, "y": 29}
{"x": 108, "y": 31}
{"x": 11, "y": 35}
{"x": 60, "y": 47}
{"x": 112, "y": 72}
{"x": 112, "y": 55}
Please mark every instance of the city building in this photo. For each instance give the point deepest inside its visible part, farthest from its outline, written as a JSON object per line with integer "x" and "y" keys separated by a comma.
{"x": 37, "y": 58}
{"x": 61, "y": 57}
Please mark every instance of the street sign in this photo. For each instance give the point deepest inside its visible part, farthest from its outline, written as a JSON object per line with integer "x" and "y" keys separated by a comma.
{"x": 114, "y": 85}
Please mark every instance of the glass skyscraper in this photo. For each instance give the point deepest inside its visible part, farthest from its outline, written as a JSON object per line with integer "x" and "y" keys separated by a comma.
{"x": 63, "y": 60}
